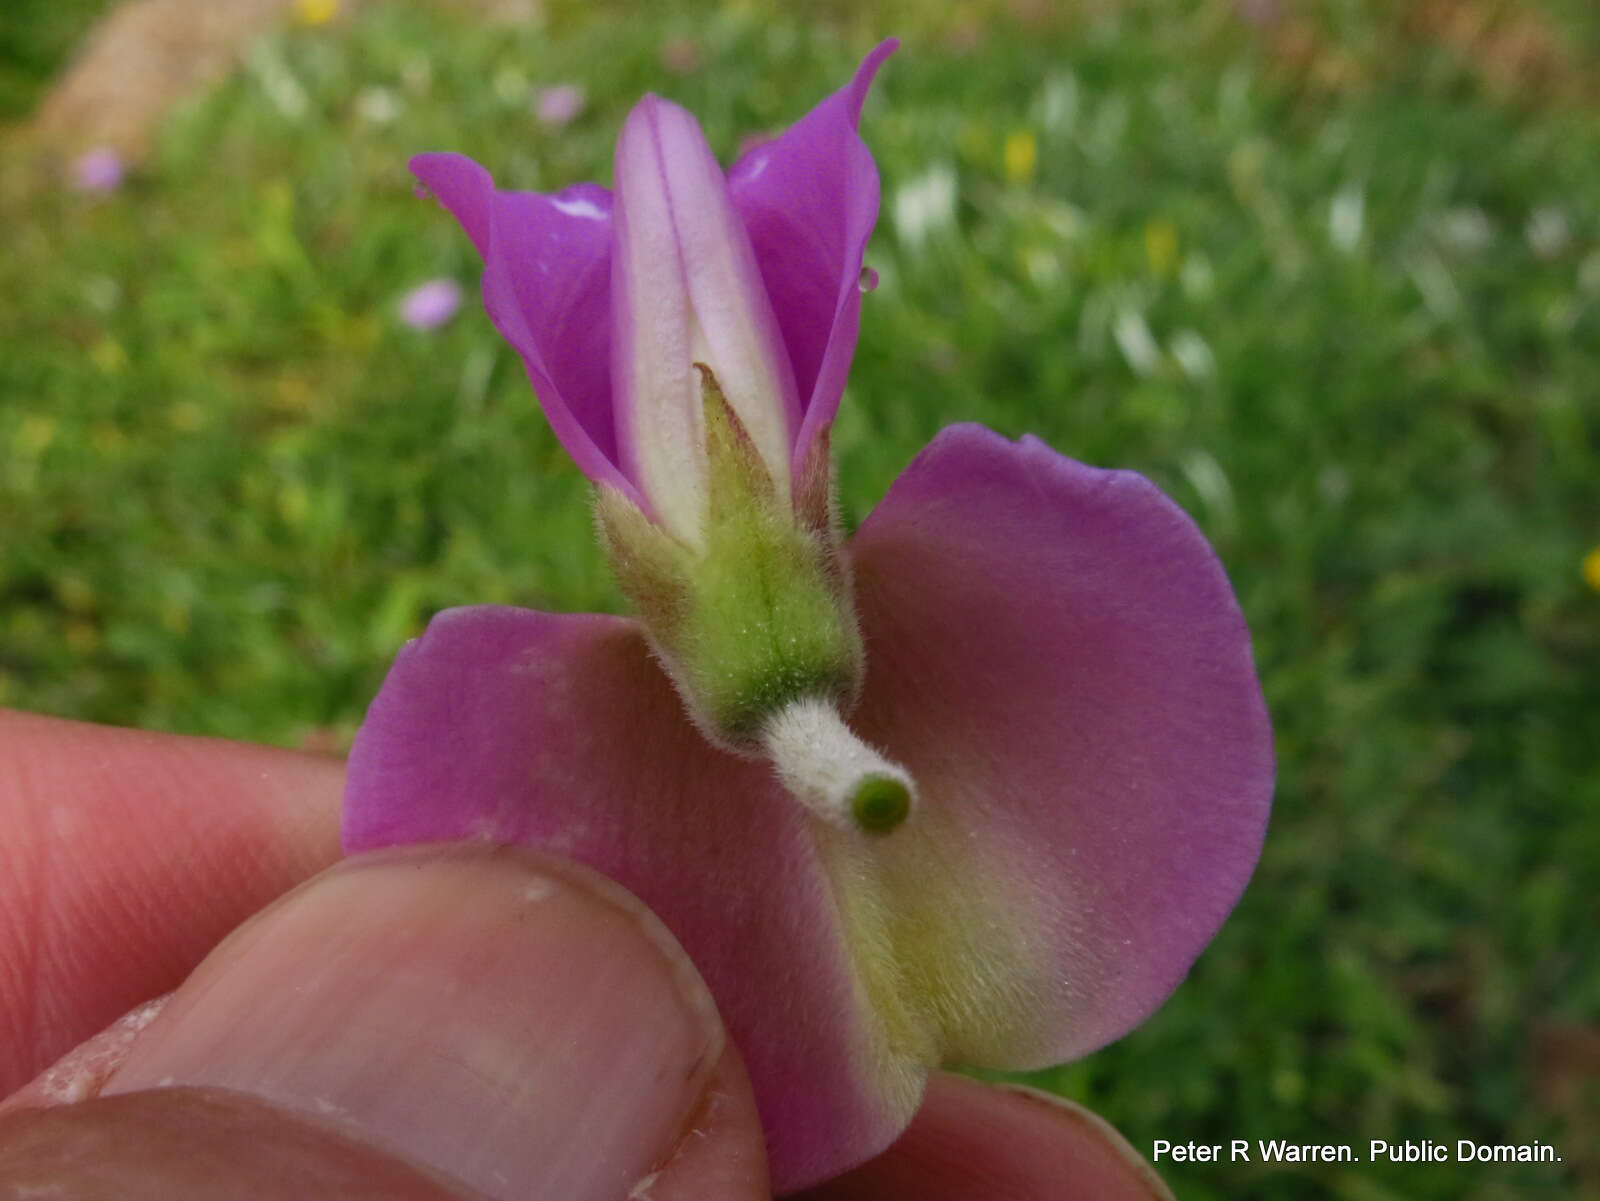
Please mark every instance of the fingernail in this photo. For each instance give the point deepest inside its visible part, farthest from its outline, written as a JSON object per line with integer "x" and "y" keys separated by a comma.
{"x": 516, "y": 1022}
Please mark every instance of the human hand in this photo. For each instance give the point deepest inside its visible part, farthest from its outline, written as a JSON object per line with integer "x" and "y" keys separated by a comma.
{"x": 445, "y": 1022}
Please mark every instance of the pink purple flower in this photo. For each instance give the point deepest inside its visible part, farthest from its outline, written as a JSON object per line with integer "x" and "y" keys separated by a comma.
{"x": 974, "y": 786}
{"x": 98, "y": 170}
{"x": 559, "y": 105}
{"x": 431, "y": 305}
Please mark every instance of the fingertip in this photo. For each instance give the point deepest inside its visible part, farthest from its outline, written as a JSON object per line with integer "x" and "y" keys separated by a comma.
{"x": 511, "y": 1020}
{"x": 722, "y": 1155}
{"x": 181, "y": 1144}
{"x": 127, "y": 856}
{"x": 1001, "y": 1143}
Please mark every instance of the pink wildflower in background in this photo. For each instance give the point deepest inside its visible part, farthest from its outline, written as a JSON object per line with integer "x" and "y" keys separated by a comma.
{"x": 99, "y": 170}
{"x": 431, "y": 305}
{"x": 559, "y": 105}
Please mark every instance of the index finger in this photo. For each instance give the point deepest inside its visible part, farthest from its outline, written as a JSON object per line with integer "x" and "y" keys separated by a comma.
{"x": 125, "y": 856}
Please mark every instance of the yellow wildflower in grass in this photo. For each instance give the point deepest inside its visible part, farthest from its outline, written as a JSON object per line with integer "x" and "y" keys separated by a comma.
{"x": 74, "y": 593}
{"x": 34, "y": 435}
{"x": 108, "y": 355}
{"x": 1591, "y": 568}
{"x": 187, "y": 416}
{"x": 1021, "y": 155}
{"x": 107, "y": 440}
{"x": 294, "y": 503}
{"x": 315, "y": 12}
{"x": 1160, "y": 245}
{"x": 175, "y": 614}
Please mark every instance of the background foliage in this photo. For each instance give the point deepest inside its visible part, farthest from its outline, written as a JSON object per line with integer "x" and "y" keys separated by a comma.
{"x": 1329, "y": 273}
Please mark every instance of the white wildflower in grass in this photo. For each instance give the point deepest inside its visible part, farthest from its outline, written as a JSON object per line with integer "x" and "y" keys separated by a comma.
{"x": 925, "y": 206}
{"x": 1065, "y": 221}
{"x": 1210, "y": 483}
{"x": 1347, "y": 218}
{"x": 1196, "y": 276}
{"x": 266, "y": 66}
{"x": 1435, "y": 283}
{"x": 510, "y": 86}
{"x": 1548, "y": 232}
{"x": 1137, "y": 343}
{"x": 1333, "y": 483}
{"x": 377, "y": 105}
{"x": 1466, "y": 229}
{"x": 1059, "y": 102}
{"x": 417, "y": 75}
{"x": 1589, "y": 273}
{"x": 1042, "y": 265}
{"x": 1192, "y": 354}
{"x": 102, "y": 293}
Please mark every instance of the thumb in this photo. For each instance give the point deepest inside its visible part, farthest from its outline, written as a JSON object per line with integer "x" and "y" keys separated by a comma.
{"x": 504, "y": 1020}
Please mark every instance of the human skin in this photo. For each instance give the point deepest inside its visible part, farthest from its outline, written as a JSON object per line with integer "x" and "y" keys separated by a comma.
{"x": 439, "y": 1022}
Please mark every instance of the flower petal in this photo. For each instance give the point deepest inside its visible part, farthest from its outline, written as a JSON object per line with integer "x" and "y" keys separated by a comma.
{"x": 809, "y": 200}
{"x": 547, "y": 288}
{"x": 1000, "y": 1143}
{"x": 462, "y": 186}
{"x": 561, "y": 733}
{"x": 687, "y": 290}
{"x": 1055, "y": 654}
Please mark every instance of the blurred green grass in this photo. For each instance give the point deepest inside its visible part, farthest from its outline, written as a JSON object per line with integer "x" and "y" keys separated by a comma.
{"x": 1336, "y": 290}
{"x": 36, "y": 36}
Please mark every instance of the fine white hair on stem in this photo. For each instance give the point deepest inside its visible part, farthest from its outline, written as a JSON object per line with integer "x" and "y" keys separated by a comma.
{"x": 832, "y": 772}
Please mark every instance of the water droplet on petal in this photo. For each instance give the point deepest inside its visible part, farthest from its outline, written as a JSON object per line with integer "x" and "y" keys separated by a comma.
{"x": 869, "y": 279}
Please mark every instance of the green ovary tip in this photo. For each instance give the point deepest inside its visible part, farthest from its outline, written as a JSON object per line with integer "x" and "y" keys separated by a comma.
{"x": 880, "y": 803}
{"x": 844, "y": 781}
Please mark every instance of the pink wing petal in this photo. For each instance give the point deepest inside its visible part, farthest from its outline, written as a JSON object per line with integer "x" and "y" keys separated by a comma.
{"x": 547, "y": 288}
{"x": 1055, "y": 654}
{"x": 561, "y": 733}
{"x": 809, "y": 200}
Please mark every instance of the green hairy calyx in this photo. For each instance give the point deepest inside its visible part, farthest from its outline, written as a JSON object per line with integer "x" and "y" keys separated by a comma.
{"x": 757, "y": 617}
